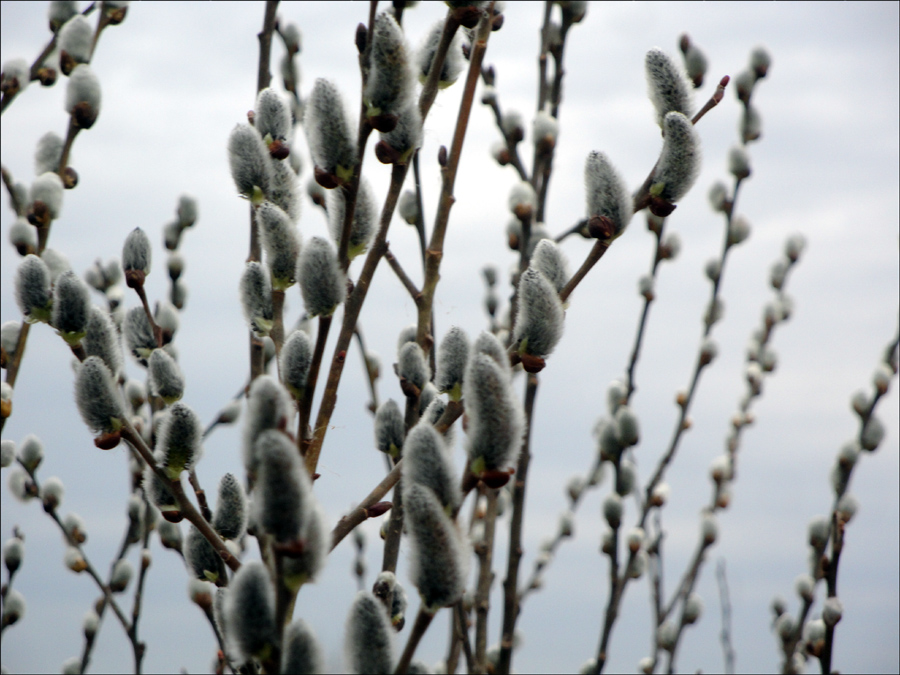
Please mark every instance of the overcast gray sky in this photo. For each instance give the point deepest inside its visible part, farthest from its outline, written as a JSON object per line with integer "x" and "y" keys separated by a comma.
{"x": 177, "y": 77}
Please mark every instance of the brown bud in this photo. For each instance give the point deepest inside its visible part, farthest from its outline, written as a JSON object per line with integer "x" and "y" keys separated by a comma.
{"x": 69, "y": 178}
{"x": 115, "y": 16}
{"x": 108, "y": 441}
{"x": 173, "y": 516}
{"x": 84, "y": 115}
{"x": 383, "y": 123}
{"x": 360, "y": 39}
{"x": 47, "y": 76}
{"x": 38, "y": 214}
{"x": 135, "y": 278}
{"x": 442, "y": 156}
{"x": 600, "y": 227}
{"x": 378, "y": 509}
{"x": 385, "y": 153}
{"x": 681, "y": 399}
{"x": 532, "y": 363}
{"x": 291, "y": 549}
{"x": 279, "y": 150}
{"x": 497, "y": 22}
{"x": 66, "y": 62}
{"x": 497, "y": 478}
{"x": 660, "y": 207}
{"x": 468, "y": 16}
{"x": 327, "y": 180}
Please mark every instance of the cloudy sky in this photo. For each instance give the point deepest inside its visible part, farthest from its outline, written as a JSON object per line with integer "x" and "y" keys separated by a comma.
{"x": 177, "y": 77}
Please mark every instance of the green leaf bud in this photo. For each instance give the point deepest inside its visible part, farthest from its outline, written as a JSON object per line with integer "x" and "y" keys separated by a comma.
{"x": 412, "y": 365}
{"x": 453, "y": 61}
{"x": 75, "y": 41}
{"x": 364, "y": 216}
{"x": 679, "y": 160}
{"x": 97, "y": 399}
{"x": 368, "y": 645}
{"x": 613, "y": 509}
{"x": 452, "y": 356}
{"x": 201, "y": 559}
{"x": 230, "y": 518}
{"x": 121, "y": 575}
{"x": 31, "y": 452}
{"x": 539, "y": 324}
{"x": 33, "y": 289}
{"x": 322, "y": 283}
{"x": 13, "y": 553}
{"x": 390, "y": 428}
{"x": 439, "y": 556}
{"x": 282, "y": 493}
{"x": 13, "y": 607}
{"x": 301, "y": 651}
{"x": 328, "y": 132}
{"x": 48, "y": 153}
{"x": 250, "y": 611}
{"x": 427, "y": 463}
{"x": 296, "y": 358}
{"x": 496, "y": 422}
{"x": 251, "y": 168}
{"x": 607, "y": 196}
{"x": 83, "y": 96}
{"x": 872, "y": 434}
{"x": 739, "y": 162}
{"x": 282, "y": 244}
{"x": 667, "y": 87}
{"x": 390, "y": 85}
{"x": 179, "y": 440}
{"x": 256, "y": 298}
{"x": 269, "y": 406}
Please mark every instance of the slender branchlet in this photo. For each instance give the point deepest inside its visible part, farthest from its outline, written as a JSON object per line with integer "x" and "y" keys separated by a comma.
{"x": 166, "y": 380}
{"x": 321, "y": 281}
{"x": 368, "y": 644}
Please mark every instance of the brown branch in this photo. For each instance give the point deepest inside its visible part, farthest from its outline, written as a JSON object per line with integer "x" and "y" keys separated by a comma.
{"x": 361, "y": 513}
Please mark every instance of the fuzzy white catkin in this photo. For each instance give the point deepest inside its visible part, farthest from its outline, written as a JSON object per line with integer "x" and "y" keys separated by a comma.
{"x": 284, "y": 189}
{"x": 250, "y": 610}
{"x": 301, "y": 652}
{"x": 282, "y": 244}
{"x": 296, "y": 358}
{"x": 179, "y": 440}
{"x": 102, "y": 339}
{"x": 495, "y": 416}
{"x": 328, "y": 131}
{"x": 667, "y": 86}
{"x": 539, "y": 324}
{"x": 407, "y": 135}
{"x": 391, "y": 83}
{"x": 452, "y": 356}
{"x": 389, "y": 428}
{"x": 96, "y": 396}
{"x": 363, "y": 225}
{"x": 23, "y": 236}
{"x": 427, "y": 463}
{"x": 453, "y": 62}
{"x": 76, "y": 38}
{"x": 136, "y": 253}
{"x": 201, "y": 559}
{"x": 13, "y": 607}
{"x": 281, "y": 500}
{"x": 368, "y": 644}
{"x": 48, "y": 153}
{"x": 256, "y": 297}
{"x": 269, "y": 406}
{"x": 550, "y": 261}
{"x": 165, "y": 376}
{"x": 31, "y": 452}
{"x": 71, "y": 307}
{"x": 249, "y": 160}
{"x": 230, "y": 518}
{"x": 412, "y": 365}
{"x": 83, "y": 96}
{"x": 48, "y": 189}
{"x": 487, "y": 343}
{"x": 607, "y": 193}
{"x": 273, "y": 117}
{"x": 321, "y": 280}
{"x": 138, "y": 333}
{"x": 679, "y": 161}
{"x": 439, "y": 556}
{"x": 16, "y": 74}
